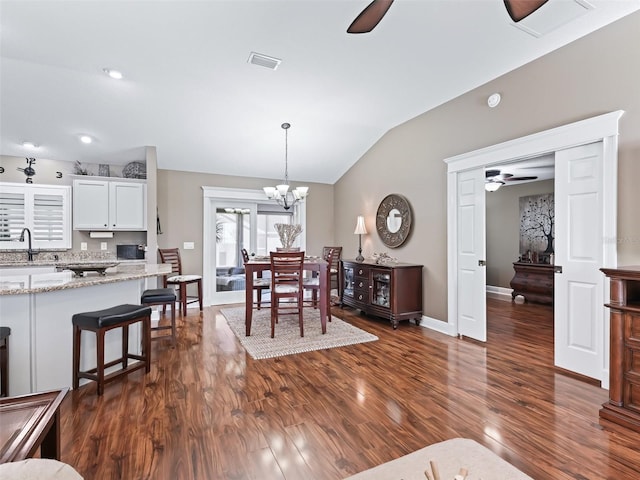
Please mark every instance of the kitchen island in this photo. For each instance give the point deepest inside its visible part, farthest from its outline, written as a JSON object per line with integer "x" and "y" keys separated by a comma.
{"x": 38, "y": 308}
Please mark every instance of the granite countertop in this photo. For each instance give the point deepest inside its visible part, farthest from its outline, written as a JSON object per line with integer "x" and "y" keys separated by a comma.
{"x": 65, "y": 262}
{"x": 16, "y": 284}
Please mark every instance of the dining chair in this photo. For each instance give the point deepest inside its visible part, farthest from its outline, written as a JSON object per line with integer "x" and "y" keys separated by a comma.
{"x": 334, "y": 269}
{"x": 180, "y": 281}
{"x": 313, "y": 283}
{"x": 260, "y": 284}
{"x": 286, "y": 284}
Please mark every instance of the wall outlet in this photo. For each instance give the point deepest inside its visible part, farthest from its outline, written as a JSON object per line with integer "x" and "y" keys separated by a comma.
{"x": 188, "y": 246}
{"x": 103, "y": 245}
{"x": 83, "y": 245}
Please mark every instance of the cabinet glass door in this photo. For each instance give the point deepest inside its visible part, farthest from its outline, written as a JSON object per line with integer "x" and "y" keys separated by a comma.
{"x": 348, "y": 281}
{"x": 381, "y": 288}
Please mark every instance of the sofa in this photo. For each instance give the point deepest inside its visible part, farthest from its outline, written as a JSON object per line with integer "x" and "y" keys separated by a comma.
{"x": 230, "y": 279}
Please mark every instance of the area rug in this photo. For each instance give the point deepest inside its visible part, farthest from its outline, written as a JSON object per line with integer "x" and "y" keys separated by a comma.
{"x": 449, "y": 457}
{"x": 287, "y": 339}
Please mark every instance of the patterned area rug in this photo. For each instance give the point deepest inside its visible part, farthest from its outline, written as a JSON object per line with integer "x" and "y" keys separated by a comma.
{"x": 287, "y": 339}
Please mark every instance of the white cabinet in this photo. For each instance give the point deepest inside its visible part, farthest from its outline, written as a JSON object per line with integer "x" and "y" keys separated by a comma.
{"x": 90, "y": 204}
{"x": 44, "y": 209}
{"x": 109, "y": 204}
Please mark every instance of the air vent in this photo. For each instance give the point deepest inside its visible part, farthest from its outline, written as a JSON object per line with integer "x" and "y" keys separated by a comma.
{"x": 553, "y": 15}
{"x": 263, "y": 60}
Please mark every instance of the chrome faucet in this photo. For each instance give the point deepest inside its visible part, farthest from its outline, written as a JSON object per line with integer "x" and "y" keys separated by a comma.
{"x": 30, "y": 251}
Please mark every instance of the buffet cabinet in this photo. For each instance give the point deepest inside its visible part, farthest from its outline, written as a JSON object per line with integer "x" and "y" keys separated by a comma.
{"x": 623, "y": 406}
{"x": 534, "y": 281}
{"x": 391, "y": 291}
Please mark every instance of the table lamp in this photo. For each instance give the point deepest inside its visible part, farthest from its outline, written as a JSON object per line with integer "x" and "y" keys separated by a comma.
{"x": 360, "y": 230}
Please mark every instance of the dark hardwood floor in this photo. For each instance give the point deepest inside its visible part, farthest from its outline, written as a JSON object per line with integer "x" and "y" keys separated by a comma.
{"x": 208, "y": 411}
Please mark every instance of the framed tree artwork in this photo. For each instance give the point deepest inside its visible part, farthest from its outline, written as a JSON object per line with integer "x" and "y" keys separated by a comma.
{"x": 537, "y": 220}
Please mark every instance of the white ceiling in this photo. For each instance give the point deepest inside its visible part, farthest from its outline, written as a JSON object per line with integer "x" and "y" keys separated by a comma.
{"x": 189, "y": 91}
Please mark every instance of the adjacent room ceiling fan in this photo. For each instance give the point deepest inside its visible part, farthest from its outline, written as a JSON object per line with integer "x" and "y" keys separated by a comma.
{"x": 494, "y": 179}
{"x": 371, "y": 16}
{"x": 496, "y": 175}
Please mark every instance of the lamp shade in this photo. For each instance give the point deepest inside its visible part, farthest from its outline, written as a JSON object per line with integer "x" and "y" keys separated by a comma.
{"x": 360, "y": 228}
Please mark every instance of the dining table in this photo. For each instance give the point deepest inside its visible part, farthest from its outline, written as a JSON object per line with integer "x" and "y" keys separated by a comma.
{"x": 258, "y": 264}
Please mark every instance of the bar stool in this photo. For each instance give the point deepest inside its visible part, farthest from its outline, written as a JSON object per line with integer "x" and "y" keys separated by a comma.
{"x": 100, "y": 322}
{"x": 4, "y": 361}
{"x": 162, "y": 296}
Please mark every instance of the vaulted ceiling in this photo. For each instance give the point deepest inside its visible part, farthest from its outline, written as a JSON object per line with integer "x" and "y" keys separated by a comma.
{"x": 189, "y": 90}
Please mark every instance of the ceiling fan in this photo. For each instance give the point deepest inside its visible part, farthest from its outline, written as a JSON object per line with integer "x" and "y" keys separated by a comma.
{"x": 371, "y": 16}
{"x": 494, "y": 179}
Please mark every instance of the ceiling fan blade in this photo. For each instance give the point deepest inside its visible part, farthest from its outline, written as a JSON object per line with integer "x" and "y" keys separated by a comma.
{"x": 370, "y": 16}
{"x": 519, "y": 9}
{"x": 520, "y": 179}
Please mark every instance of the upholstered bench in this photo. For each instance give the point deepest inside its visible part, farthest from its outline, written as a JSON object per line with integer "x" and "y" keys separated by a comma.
{"x": 100, "y": 322}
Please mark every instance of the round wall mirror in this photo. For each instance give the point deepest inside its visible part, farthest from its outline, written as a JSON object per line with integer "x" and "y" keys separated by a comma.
{"x": 393, "y": 220}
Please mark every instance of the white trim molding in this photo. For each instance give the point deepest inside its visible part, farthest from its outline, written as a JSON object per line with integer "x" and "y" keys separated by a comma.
{"x": 602, "y": 128}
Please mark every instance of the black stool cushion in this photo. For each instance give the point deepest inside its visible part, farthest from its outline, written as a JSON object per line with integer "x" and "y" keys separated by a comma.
{"x": 4, "y": 332}
{"x": 110, "y": 316}
{"x": 158, "y": 295}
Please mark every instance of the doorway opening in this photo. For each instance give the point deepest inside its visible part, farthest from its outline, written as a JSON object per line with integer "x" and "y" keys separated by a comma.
{"x": 237, "y": 219}
{"x": 583, "y": 150}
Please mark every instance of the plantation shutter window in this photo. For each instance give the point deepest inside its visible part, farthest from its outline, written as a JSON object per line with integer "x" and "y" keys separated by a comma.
{"x": 12, "y": 215}
{"x": 44, "y": 209}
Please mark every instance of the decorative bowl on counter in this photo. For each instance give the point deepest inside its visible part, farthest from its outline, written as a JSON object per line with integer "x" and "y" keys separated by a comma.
{"x": 79, "y": 269}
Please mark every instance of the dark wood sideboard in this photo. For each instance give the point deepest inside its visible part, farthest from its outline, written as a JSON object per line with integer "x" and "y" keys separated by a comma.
{"x": 623, "y": 406}
{"x": 392, "y": 291}
{"x": 534, "y": 281}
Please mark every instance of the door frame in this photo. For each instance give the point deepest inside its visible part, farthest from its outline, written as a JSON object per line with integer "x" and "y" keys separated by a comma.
{"x": 214, "y": 195}
{"x": 599, "y": 128}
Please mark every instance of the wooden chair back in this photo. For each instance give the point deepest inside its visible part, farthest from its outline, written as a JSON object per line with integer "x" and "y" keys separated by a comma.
{"x": 286, "y": 269}
{"x": 172, "y": 256}
{"x": 334, "y": 263}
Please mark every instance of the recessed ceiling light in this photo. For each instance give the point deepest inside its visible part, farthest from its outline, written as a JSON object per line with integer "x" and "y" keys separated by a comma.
{"x": 86, "y": 139}
{"x": 31, "y": 145}
{"x": 113, "y": 73}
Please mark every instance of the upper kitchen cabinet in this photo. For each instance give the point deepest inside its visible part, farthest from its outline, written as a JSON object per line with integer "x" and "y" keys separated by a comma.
{"x": 101, "y": 204}
{"x": 44, "y": 209}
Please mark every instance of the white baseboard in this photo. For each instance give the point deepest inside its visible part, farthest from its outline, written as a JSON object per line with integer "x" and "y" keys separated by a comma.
{"x": 500, "y": 293}
{"x": 437, "y": 325}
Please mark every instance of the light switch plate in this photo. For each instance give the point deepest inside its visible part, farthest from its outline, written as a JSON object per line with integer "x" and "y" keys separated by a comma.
{"x": 188, "y": 246}
{"x": 103, "y": 245}
{"x": 83, "y": 245}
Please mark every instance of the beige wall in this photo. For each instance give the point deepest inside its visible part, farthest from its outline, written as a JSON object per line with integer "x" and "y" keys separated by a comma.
{"x": 503, "y": 228}
{"x": 594, "y": 75}
{"x": 180, "y": 206}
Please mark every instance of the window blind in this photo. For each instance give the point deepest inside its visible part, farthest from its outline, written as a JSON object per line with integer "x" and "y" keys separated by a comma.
{"x": 12, "y": 215}
{"x": 48, "y": 218}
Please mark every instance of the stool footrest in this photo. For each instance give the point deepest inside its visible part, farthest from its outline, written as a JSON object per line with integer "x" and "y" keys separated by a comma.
{"x": 113, "y": 375}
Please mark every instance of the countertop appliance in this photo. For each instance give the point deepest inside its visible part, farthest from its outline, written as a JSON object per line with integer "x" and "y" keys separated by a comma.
{"x": 130, "y": 252}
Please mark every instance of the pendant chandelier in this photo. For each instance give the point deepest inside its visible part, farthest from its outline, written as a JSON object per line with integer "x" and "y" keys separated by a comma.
{"x": 281, "y": 193}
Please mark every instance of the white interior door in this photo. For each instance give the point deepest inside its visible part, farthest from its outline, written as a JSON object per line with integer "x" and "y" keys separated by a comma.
{"x": 579, "y": 216}
{"x": 471, "y": 308}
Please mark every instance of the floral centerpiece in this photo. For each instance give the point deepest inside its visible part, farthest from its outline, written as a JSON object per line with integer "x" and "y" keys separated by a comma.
{"x": 288, "y": 234}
